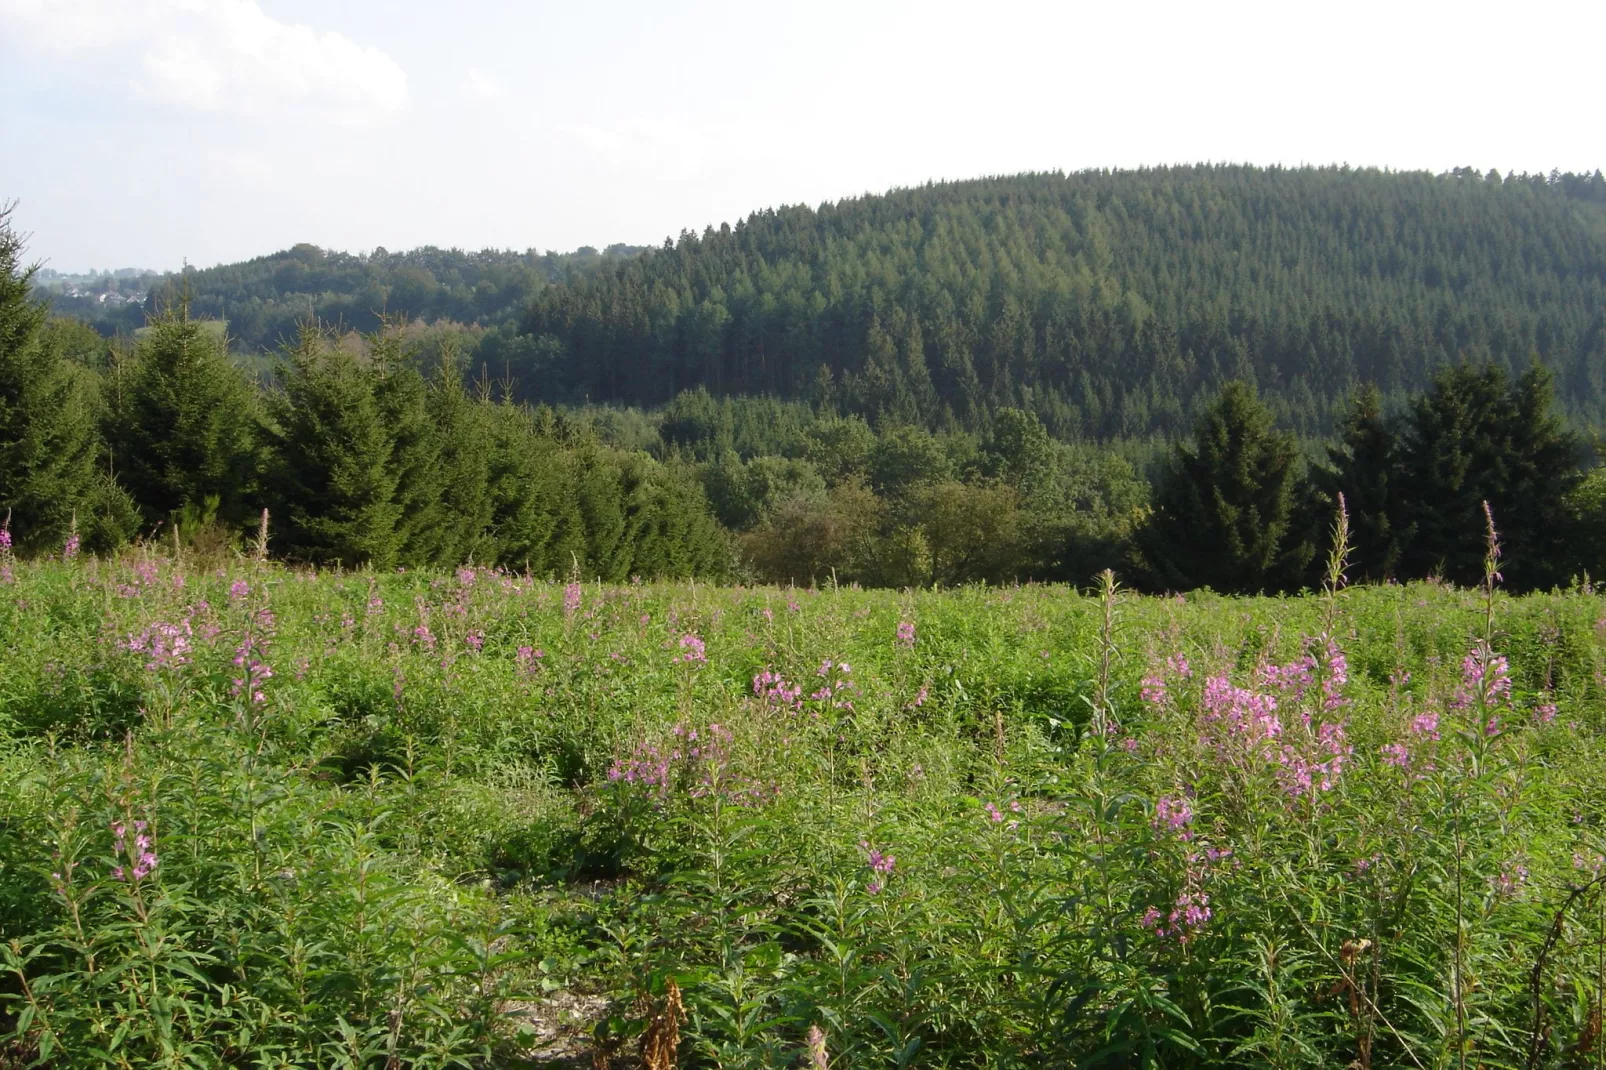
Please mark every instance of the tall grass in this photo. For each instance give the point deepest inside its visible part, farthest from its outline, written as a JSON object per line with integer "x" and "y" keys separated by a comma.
{"x": 250, "y": 816}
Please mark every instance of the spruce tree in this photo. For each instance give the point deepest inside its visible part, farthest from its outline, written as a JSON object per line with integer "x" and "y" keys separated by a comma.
{"x": 604, "y": 492}
{"x": 1365, "y": 468}
{"x": 1476, "y": 437}
{"x": 675, "y": 534}
{"x": 48, "y": 441}
{"x": 403, "y": 399}
{"x": 332, "y": 477}
{"x": 462, "y": 429}
{"x": 1223, "y": 508}
{"x": 528, "y": 491}
{"x": 184, "y": 431}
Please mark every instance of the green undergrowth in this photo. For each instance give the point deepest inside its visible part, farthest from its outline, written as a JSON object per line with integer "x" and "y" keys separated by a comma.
{"x": 258, "y": 817}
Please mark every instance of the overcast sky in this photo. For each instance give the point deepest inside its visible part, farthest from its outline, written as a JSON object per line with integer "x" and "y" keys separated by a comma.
{"x": 143, "y": 132}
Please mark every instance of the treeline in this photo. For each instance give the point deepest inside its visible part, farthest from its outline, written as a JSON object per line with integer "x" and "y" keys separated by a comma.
{"x": 366, "y": 456}
{"x": 1105, "y": 303}
{"x": 1109, "y": 304}
{"x": 1237, "y": 510}
{"x": 265, "y": 300}
{"x": 1238, "y": 505}
{"x": 360, "y": 458}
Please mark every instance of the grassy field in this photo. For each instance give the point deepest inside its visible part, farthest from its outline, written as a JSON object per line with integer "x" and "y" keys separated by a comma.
{"x": 257, "y": 817}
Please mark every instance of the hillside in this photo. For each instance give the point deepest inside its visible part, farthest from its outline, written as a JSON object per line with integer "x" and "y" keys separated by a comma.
{"x": 1105, "y": 301}
{"x": 265, "y": 298}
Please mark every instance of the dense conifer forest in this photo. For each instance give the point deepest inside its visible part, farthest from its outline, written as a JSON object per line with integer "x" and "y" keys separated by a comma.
{"x": 1174, "y": 373}
{"x": 1107, "y": 303}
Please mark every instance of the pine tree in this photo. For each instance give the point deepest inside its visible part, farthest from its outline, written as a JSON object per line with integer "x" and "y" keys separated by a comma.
{"x": 48, "y": 441}
{"x": 184, "y": 433}
{"x": 1222, "y": 511}
{"x": 333, "y": 481}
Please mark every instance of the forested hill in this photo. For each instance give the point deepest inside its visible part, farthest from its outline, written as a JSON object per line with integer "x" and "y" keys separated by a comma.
{"x": 1108, "y": 302}
{"x": 264, "y": 300}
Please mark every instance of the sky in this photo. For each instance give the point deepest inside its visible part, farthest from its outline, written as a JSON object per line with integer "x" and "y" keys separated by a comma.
{"x": 146, "y": 133}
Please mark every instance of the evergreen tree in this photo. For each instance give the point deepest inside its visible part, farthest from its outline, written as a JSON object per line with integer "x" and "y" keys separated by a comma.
{"x": 600, "y": 493}
{"x": 675, "y": 534}
{"x": 1476, "y": 437}
{"x": 403, "y": 399}
{"x": 1365, "y": 468}
{"x": 335, "y": 489}
{"x": 184, "y": 431}
{"x": 463, "y": 432}
{"x": 48, "y": 440}
{"x": 1222, "y": 510}
{"x": 534, "y": 523}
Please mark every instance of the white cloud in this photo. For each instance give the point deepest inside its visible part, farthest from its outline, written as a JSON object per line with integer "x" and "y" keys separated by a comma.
{"x": 665, "y": 148}
{"x": 477, "y": 85}
{"x": 224, "y": 56}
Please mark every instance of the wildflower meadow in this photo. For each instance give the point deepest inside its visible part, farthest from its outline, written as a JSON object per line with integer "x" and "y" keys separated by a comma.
{"x": 253, "y": 816}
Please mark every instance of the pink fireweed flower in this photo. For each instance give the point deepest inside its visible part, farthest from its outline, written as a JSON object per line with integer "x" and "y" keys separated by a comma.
{"x": 164, "y": 646}
{"x": 881, "y": 866}
{"x": 1247, "y": 730}
{"x": 819, "y": 1058}
{"x": 1513, "y": 876}
{"x": 1396, "y": 754}
{"x": 5, "y": 538}
{"x": 696, "y": 761}
{"x": 254, "y": 671}
{"x": 1485, "y": 680}
{"x": 1290, "y": 680}
{"x": 140, "y": 857}
{"x": 69, "y": 550}
{"x": 1156, "y": 688}
{"x": 1173, "y": 813}
{"x": 1545, "y": 713}
{"x": 475, "y": 640}
{"x": 238, "y": 590}
{"x": 1193, "y": 910}
{"x": 774, "y": 690}
{"x": 1335, "y": 678}
{"x": 994, "y": 814}
{"x": 906, "y": 634}
{"x": 465, "y": 576}
{"x": 1426, "y": 725}
{"x": 571, "y": 599}
{"x": 695, "y": 653}
{"x": 1248, "y": 718}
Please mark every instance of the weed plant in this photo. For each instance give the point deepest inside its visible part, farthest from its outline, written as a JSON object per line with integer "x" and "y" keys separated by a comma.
{"x": 260, "y": 817}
